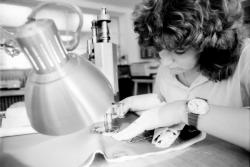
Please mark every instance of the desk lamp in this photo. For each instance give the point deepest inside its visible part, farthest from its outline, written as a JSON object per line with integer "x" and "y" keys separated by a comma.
{"x": 65, "y": 92}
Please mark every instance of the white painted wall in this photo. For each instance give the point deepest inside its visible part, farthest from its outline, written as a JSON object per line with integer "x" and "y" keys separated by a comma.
{"x": 127, "y": 38}
{"x": 123, "y": 35}
{"x": 128, "y": 41}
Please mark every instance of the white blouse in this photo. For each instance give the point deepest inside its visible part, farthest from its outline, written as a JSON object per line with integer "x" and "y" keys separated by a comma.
{"x": 234, "y": 92}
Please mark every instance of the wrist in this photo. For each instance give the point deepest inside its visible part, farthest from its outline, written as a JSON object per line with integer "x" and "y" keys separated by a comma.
{"x": 196, "y": 107}
{"x": 183, "y": 112}
{"x": 127, "y": 102}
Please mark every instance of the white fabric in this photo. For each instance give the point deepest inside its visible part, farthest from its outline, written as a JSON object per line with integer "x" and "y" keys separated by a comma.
{"x": 234, "y": 92}
{"x": 16, "y": 121}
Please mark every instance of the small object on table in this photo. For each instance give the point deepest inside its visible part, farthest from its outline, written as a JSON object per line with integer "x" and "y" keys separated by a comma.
{"x": 165, "y": 137}
{"x": 110, "y": 124}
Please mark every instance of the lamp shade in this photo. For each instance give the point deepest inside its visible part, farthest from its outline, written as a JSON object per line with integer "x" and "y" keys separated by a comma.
{"x": 65, "y": 92}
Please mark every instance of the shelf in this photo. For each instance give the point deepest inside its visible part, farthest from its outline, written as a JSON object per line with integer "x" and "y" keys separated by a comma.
{"x": 18, "y": 92}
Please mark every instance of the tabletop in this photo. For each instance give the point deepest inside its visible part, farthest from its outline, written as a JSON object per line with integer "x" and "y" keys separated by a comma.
{"x": 67, "y": 152}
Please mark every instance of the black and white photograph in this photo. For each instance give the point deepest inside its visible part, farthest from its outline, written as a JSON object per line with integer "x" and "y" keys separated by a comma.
{"x": 124, "y": 83}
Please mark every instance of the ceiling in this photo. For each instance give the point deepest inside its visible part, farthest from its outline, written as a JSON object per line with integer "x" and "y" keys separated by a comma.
{"x": 121, "y": 3}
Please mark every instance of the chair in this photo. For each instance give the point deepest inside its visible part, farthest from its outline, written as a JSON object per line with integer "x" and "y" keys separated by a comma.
{"x": 149, "y": 81}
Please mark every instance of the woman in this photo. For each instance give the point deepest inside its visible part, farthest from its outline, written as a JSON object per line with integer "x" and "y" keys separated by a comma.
{"x": 205, "y": 56}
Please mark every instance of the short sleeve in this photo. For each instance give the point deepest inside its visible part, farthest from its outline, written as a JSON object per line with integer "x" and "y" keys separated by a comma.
{"x": 244, "y": 71}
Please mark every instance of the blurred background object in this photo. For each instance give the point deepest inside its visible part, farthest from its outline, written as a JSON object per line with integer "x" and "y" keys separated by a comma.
{"x": 8, "y": 43}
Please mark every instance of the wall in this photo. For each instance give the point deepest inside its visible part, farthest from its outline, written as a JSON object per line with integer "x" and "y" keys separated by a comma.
{"x": 124, "y": 36}
{"x": 129, "y": 45}
{"x": 127, "y": 38}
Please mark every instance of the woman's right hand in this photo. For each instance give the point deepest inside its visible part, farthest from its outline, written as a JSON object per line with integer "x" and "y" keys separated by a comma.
{"x": 137, "y": 104}
{"x": 164, "y": 115}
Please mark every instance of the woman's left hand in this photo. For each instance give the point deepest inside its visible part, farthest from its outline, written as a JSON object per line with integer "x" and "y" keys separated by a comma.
{"x": 166, "y": 114}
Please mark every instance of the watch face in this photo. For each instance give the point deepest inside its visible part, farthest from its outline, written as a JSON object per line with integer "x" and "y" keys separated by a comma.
{"x": 198, "y": 106}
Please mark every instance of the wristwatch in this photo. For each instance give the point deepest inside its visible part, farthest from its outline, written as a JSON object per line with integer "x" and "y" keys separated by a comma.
{"x": 195, "y": 107}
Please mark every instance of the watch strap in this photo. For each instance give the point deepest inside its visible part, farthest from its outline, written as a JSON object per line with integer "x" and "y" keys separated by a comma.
{"x": 193, "y": 119}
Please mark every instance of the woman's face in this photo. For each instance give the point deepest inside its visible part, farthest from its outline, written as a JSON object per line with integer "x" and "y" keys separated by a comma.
{"x": 179, "y": 62}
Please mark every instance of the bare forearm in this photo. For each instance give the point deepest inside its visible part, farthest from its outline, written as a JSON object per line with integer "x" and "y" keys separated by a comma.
{"x": 230, "y": 124}
{"x": 142, "y": 102}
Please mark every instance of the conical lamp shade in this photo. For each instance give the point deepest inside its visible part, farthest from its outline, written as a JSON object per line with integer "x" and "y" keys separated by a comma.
{"x": 64, "y": 93}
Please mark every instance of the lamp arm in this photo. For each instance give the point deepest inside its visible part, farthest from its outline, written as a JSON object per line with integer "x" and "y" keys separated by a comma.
{"x": 75, "y": 41}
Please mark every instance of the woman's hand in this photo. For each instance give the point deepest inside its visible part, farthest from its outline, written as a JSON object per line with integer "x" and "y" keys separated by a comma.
{"x": 137, "y": 103}
{"x": 166, "y": 114}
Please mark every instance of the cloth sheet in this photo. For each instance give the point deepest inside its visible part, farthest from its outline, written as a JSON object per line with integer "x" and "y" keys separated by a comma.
{"x": 16, "y": 121}
{"x": 80, "y": 149}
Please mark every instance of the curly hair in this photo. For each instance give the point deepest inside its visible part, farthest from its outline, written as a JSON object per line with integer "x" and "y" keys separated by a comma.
{"x": 213, "y": 27}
